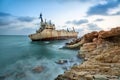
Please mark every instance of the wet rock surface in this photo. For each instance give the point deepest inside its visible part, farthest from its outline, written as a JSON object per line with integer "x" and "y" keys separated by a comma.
{"x": 38, "y": 69}
{"x": 62, "y": 61}
{"x": 66, "y": 64}
{"x": 20, "y": 75}
{"x": 101, "y": 51}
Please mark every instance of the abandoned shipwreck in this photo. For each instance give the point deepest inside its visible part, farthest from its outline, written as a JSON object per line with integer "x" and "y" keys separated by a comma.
{"x": 47, "y": 31}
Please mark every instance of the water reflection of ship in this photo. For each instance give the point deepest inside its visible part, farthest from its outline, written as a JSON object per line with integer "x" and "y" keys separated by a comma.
{"x": 47, "y": 31}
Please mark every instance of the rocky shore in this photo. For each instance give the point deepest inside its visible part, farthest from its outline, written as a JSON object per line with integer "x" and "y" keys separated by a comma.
{"x": 101, "y": 53}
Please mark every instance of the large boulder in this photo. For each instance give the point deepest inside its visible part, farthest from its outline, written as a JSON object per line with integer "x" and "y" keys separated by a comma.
{"x": 90, "y": 36}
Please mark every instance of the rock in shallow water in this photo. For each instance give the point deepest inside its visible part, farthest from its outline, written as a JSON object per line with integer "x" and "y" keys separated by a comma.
{"x": 38, "y": 69}
{"x": 62, "y": 61}
{"x": 20, "y": 75}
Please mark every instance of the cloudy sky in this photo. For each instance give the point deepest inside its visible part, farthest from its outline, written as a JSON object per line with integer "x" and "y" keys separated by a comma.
{"x": 20, "y": 17}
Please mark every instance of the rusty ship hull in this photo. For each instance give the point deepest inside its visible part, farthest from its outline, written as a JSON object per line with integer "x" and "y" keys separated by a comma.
{"x": 49, "y": 34}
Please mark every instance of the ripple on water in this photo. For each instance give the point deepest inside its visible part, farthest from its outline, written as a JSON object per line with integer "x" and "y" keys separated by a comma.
{"x": 23, "y": 69}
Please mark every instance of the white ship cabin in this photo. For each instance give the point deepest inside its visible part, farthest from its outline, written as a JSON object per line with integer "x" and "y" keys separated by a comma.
{"x": 45, "y": 25}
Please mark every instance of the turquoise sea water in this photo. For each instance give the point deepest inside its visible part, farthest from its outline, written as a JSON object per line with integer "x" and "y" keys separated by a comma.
{"x": 19, "y": 56}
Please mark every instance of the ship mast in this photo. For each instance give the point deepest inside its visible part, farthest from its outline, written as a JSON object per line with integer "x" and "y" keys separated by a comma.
{"x": 41, "y": 17}
{"x": 41, "y": 26}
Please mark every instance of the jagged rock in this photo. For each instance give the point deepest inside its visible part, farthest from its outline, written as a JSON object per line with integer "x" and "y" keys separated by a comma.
{"x": 97, "y": 37}
{"x": 111, "y": 33}
{"x": 102, "y": 53}
{"x": 85, "y": 39}
{"x": 90, "y": 36}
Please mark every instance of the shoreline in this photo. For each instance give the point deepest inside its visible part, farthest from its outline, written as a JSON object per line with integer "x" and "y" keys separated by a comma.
{"x": 101, "y": 53}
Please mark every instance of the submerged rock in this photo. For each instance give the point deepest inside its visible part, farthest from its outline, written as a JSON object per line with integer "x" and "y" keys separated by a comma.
{"x": 3, "y": 77}
{"x": 38, "y": 69}
{"x": 20, "y": 75}
{"x": 62, "y": 61}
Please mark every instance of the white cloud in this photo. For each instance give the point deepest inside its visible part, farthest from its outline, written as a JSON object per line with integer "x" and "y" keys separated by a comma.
{"x": 113, "y": 11}
{"x": 13, "y": 24}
